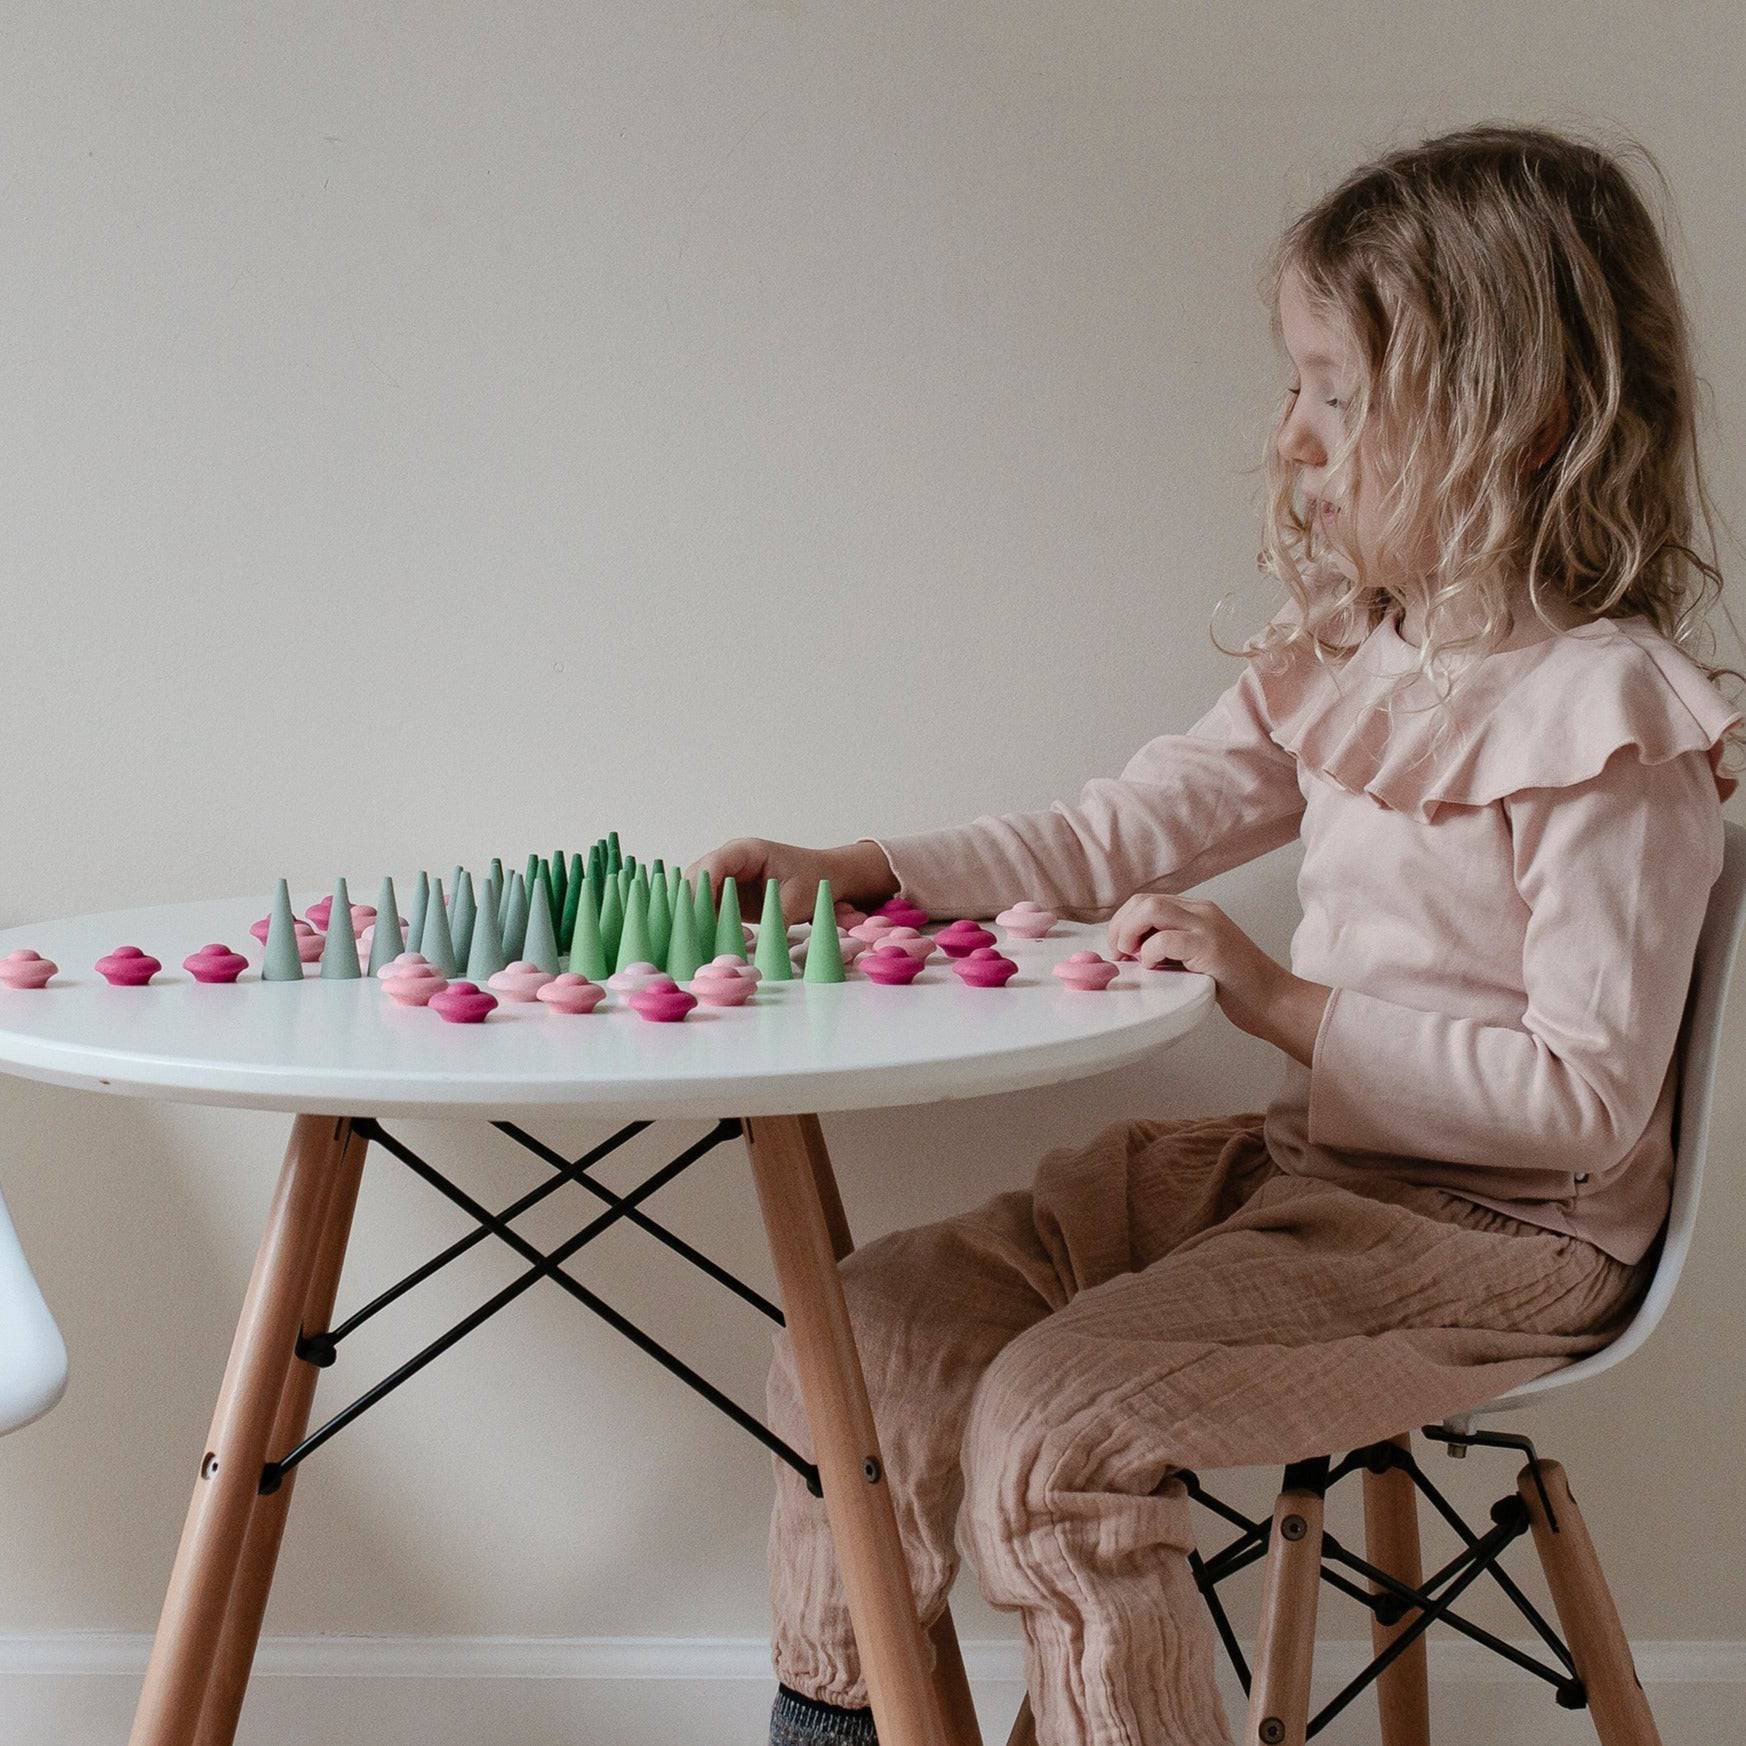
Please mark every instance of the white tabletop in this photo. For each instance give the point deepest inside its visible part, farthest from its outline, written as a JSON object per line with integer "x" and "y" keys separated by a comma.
{"x": 343, "y": 1048}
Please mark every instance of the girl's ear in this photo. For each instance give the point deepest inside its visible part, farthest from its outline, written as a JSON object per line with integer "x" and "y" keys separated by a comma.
{"x": 1550, "y": 434}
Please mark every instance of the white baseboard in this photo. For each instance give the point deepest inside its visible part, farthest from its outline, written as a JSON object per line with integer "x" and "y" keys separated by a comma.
{"x": 77, "y": 1689}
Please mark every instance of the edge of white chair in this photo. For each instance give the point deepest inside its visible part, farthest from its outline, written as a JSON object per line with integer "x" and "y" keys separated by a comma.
{"x": 33, "y": 1356}
{"x": 1713, "y": 966}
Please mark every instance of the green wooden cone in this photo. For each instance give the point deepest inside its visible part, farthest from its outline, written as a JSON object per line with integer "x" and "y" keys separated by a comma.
{"x": 541, "y": 945}
{"x": 530, "y": 873}
{"x": 339, "y": 952}
{"x": 660, "y": 922}
{"x": 684, "y": 955}
{"x": 572, "y": 903}
{"x": 560, "y": 882}
{"x": 772, "y": 956}
{"x": 437, "y": 944}
{"x": 485, "y": 954}
{"x": 491, "y": 895}
{"x": 385, "y": 941}
{"x": 704, "y": 900}
{"x": 631, "y": 862}
{"x": 587, "y": 949}
{"x": 515, "y": 923}
{"x": 463, "y": 917}
{"x": 612, "y": 919}
{"x": 730, "y": 933}
{"x": 282, "y": 962}
{"x": 824, "y": 951}
{"x": 415, "y": 920}
{"x": 633, "y": 943}
{"x": 614, "y": 859}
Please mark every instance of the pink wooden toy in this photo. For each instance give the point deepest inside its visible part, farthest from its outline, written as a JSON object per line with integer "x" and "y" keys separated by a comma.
{"x": 463, "y": 1003}
{"x": 889, "y": 964}
{"x": 984, "y": 968}
{"x": 519, "y": 981}
{"x": 750, "y": 971}
{"x": 128, "y": 967}
{"x": 309, "y": 942}
{"x": 1088, "y": 971}
{"x": 721, "y": 985}
{"x": 411, "y": 980}
{"x": 960, "y": 938}
{"x": 320, "y": 913}
{"x": 847, "y": 914}
{"x": 661, "y": 1000}
{"x": 919, "y": 945}
{"x": 26, "y": 969}
{"x": 875, "y": 928}
{"x": 850, "y": 947}
{"x": 367, "y": 938}
{"x": 903, "y": 912}
{"x": 215, "y": 963}
{"x": 632, "y": 977}
{"x": 1030, "y": 921}
{"x": 570, "y": 993}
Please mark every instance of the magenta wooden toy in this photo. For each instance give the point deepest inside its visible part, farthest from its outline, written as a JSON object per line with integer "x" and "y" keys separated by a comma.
{"x": 411, "y": 979}
{"x": 960, "y": 938}
{"x": 889, "y": 964}
{"x": 1030, "y": 921}
{"x": 570, "y": 993}
{"x": 215, "y": 963}
{"x": 721, "y": 985}
{"x": 320, "y": 913}
{"x": 519, "y": 981}
{"x": 661, "y": 1000}
{"x": 463, "y": 1003}
{"x": 984, "y": 968}
{"x": 875, "y": 928}
{"x": 1088, "y": 971}
{"x": 919, "y": 945}
{"x": 128, "y": 967}
{"x": 632, "y": 977}
{"x": 903, "y": 912}
{"x": 26, "y": 969}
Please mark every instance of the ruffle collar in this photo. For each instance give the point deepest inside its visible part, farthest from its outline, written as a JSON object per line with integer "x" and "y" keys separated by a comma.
{"x": 1545, "y": 714}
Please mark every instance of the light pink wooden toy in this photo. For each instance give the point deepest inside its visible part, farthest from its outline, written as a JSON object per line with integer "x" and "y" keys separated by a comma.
{"x": 570, "y": 993}
{"x": 960, "y": 938}
{"x": 367, "y": 938}
{"x": 850, "y": 947}
{"x": 320, "y": 913}
{"x": 889, "y": 965}
{"x": 748, "y": 970}
{"x": 661, "y": 1000}
{"x": 215, "y": 963}
{"x": 632, "y": 977}
{"x": 847, "y": 914}
{"x": 128, "y": 967}
{"x": 720, "y": 985}
{"x": 1088, "y": 971}
{"x": 309, "y": 942}
{"x": 1030, "y": 921}
{"x": 519, "y": 981}
{"x": 875, "y": 928}
{"x": 463, "y": 1003}
{"x": 903, "y": 912}
{"x": 26, "y": 969}
{"x": 411, "y": 980}
{"x": 919, "y": 945}
{"x": 984, "y": 968}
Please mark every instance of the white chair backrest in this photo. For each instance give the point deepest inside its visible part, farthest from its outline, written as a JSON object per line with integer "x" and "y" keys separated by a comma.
{"x": 33, "y": 1356}
{"x": 1699, "y": 1045}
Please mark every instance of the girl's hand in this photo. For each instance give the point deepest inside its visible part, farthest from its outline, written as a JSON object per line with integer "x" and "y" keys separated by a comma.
{"x": 1254, "y": 992}
{"x": 858, "y": 872}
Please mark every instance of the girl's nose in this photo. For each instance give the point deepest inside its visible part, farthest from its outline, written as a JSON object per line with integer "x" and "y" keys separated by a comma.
{"x": 1297, "y": 443}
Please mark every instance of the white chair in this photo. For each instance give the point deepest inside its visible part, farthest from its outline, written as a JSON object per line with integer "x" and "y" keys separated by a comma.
{"x": 1591, "y": 1665}
{"x": 33, "y": 1356}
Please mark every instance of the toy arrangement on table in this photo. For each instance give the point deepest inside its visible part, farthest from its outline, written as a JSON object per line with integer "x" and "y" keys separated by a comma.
{"x": 568, "y": 930}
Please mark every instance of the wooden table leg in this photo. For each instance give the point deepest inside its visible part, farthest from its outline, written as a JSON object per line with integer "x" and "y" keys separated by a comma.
{"x": 804, "y": 1221}
{"x": 254, "y": 1578}
{"x": 191, "y": 1627}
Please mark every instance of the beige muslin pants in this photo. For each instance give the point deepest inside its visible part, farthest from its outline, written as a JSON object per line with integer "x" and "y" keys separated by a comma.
{"x": 1162, "y": 1297}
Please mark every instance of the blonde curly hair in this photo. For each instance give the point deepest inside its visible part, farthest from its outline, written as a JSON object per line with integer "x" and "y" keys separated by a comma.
{"x": 1495, "y": 284}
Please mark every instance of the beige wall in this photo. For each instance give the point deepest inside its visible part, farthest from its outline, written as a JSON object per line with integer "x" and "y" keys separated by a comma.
{"x": 433, "y": 432}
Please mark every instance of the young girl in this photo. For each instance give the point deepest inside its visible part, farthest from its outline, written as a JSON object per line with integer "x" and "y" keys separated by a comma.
{"x": 1475, "y": 709}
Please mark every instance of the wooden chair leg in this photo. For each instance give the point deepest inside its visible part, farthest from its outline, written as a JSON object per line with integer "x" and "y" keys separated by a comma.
{"x": 254, "y": 1578}
{"x": 789, "y": 1167}
{"x": 1391, "y": 1534}
{"x": 1279, "y": 1692}
{"x": 226, "y": 1487}
{"x": 1586, "y": 1611}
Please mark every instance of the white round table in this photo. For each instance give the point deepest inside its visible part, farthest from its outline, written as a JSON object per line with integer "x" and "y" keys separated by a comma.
{"x": 343, "y": 1058}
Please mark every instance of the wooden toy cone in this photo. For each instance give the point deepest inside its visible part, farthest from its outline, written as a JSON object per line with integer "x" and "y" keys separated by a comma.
{"x": 283, "y": 962}
{"x": 385, "y": 941}
{"x": 614, "y": 859}
{"x": 612, "y": 919}
{"x": 587, "y": 949}
{"x": 541, "y": 945}
{"x": 730, "y": 931}
{"x": 772, "y": 955}
{"x": 415, "y": 919}
{"x": 824, "y": 951}
{"x": 463, "y": 917}
{"x": 684, "y": 954}
{"x": 572, "y": 904}
{"x": 437, "y": 944}
{"x": 339, "y": 952}
{"x": 704, "y": 897}
{"x": 660, "y": 921}
{"x": 560, "y": 883}
{"x": 633, "y": 943}
{"x": 485, "y": 954}
{"x": 515, "y": 920}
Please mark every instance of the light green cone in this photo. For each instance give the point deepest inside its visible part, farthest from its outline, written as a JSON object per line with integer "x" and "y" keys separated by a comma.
{"x": 660, "y": 921}
{"x": 587, "y": 949}
{"x": 436, "y": 943}
{"x": 463, "y": 917}
{"x": 385, "y": 941}
{"x": 541, "y": 945}
{"x": 282, "y": 962}
{"x": 339, "y": 952}
{"x": 485, "y": 954}
{"x": 420, "y": 902}
{"x": 824, "y": 951}
{"x": 704, "y": 900}
{"x": 633, "y": 943}
{"x": 684, "y": 955}
{"x": 515, "y": 920}
{"x": 772, "y": 956}
{"x": 611, "y": 919}
{"x": 730, "y": 931}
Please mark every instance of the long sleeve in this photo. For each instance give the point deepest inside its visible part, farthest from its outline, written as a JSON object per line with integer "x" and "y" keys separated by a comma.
{"x": 1615, "y": 873}
{"x": 1185, "y": 807}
